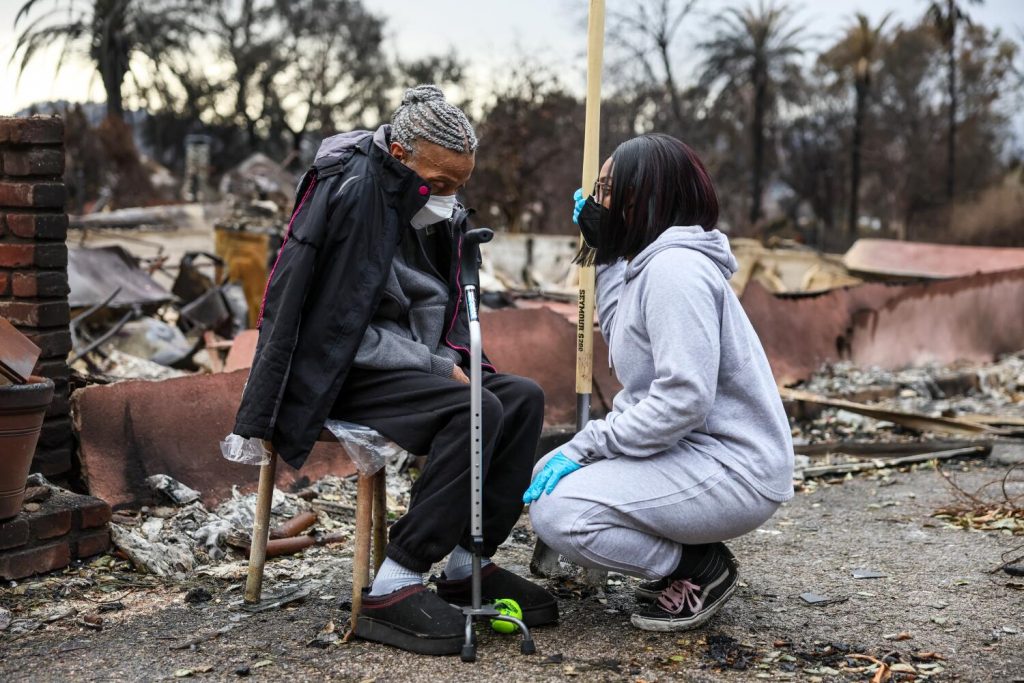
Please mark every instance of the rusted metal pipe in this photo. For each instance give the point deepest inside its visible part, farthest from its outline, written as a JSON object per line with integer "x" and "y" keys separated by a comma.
{"x": 294, "y": 526}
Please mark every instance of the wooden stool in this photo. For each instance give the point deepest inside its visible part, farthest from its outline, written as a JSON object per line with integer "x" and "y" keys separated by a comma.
{"x": 371, "y": 523}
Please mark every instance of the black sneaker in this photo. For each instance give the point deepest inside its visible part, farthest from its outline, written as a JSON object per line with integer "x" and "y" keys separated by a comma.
{"x": 650, "y": 591}
{"x": 413, "y": 619}
{"x": 539, "y": 607}
{"x": 685, "y": 604}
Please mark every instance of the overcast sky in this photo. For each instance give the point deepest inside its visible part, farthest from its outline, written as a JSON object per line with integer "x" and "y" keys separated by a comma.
{"x": 486, "y": 33}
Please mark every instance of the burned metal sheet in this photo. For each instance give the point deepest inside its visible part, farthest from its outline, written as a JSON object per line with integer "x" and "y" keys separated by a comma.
{"x": 93, "y": 274}
{"x": 537, "y": 343}
{"x": 895, "y": 259}
{"x": 971, "y": 318}
{"x": 131, "y": 430}
{"x": 541, "y": 344}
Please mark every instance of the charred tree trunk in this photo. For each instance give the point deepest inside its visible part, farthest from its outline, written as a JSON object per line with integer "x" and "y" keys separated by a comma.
{"x": 855, "y": 151}
{"x": 112, "y": 86}
{"x": 760, "y": 79}
{"x": 951, "y": 151}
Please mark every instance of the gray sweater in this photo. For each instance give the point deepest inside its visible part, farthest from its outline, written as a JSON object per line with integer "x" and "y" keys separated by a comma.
{"x": 695, "y": 376}
{"x": 407, "y": 331}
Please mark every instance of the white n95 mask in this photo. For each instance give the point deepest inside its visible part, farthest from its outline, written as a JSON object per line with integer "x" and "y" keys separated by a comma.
{"x": 436, "y": 209}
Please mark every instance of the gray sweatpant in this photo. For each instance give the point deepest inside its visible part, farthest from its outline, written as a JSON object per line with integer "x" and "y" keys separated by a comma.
{"x": 634, "y": 515}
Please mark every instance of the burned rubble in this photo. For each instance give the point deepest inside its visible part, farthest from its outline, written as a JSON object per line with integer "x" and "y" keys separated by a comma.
{"x": 901, "y": 443}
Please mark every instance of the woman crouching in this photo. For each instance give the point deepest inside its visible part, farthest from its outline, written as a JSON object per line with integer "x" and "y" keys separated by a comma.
{"x": 697, "y": 448}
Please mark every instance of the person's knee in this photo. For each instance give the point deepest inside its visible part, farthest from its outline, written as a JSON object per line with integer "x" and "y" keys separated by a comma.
{"x": 521, "y": 394}
{"x": 530, "y": 391}
{"x": 552, "y": 517}
{"x": 531, "y": 396}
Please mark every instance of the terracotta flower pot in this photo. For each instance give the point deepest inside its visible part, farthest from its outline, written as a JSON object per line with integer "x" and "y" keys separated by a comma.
{"x": 22, "y": 409}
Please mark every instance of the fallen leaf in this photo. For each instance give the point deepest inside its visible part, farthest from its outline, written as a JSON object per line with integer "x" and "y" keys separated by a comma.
{"x": 897, "y": 636}
{"x": 92, "y": 621}
{"x": 902, "y": 668}
{"x": 927, "y": 656}
{"x": 183, "y": 673}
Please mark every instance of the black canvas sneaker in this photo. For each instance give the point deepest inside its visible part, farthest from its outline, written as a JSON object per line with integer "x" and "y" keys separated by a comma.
{"x": 651, "y": 590}
{"x": 687, "y": 603}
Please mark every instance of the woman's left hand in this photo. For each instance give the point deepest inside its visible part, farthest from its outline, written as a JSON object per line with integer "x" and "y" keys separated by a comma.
{"x": 547, "y": 479}
{"x": 578, "y": 200}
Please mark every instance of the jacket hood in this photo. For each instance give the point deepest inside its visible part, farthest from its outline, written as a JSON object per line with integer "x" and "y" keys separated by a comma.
{"x": 333, "y": 148}
{"x": 713, "y": 244}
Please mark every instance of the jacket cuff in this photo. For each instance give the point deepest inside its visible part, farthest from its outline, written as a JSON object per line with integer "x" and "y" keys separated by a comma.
{"x": 442, "y": 367}
{"x": 578, "y": 456}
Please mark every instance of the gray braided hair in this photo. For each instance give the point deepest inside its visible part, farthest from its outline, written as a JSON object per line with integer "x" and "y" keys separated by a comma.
{"x": 425, "y": 115}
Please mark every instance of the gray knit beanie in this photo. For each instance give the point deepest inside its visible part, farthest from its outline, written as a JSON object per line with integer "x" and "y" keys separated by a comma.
{"x": 425, "y": 115}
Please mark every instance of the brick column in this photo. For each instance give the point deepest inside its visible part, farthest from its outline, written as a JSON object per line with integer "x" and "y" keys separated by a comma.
{"x": 33, "y": 265}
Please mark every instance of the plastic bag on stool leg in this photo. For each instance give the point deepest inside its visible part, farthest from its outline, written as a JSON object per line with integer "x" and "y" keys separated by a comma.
{"x": 368, "y": 448}
{"x": 245, "y": 451}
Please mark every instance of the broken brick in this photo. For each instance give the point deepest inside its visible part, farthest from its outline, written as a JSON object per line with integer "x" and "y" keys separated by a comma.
{"x": 37, "y": 560}
{"x": 37, "y": 130}
{"x": 44, "y": 161}
{"x": 39, "y": 195}
{"x": 51, "y": 343}
{"x": 92, "y": 513}
{"x": 13, "y": 533}
{"x": 16, "y": 255}
{"x": 92, "y": 543}
{"x": 49, "y": 523}
{"x": 35, "y": 314}
{"x": 47, "y": 226}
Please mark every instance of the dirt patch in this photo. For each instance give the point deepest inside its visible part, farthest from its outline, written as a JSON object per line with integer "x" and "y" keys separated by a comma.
{"x": 937, "y": 611}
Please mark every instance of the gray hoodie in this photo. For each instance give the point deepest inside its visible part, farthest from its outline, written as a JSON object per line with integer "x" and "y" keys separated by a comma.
{"x": 694, "y": 373}
{"x": 406, "y": 331}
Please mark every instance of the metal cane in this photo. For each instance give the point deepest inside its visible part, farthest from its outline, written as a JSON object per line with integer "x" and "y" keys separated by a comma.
{"x": 470, "y": 265}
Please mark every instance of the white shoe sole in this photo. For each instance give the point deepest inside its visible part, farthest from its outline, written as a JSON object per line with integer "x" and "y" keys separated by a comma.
{"x": 684, "y": 623}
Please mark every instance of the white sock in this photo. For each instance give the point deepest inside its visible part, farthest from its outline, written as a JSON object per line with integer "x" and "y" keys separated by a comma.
{"x": 460, "y": 564}
{"x": 392, "y": 577}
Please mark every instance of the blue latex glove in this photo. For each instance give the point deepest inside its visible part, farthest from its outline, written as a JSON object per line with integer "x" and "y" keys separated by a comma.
{"x": 579, "y": 200}
{"x": 546, "y": 480}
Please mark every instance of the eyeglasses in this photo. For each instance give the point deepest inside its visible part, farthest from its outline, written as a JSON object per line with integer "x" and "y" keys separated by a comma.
{"x": 602, "y": 189}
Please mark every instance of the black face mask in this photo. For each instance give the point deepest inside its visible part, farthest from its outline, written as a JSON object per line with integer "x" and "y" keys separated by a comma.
{"x": 592, "y": 220}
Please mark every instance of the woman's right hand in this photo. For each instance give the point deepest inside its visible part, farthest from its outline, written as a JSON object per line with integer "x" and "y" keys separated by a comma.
{"x": 547, "y": 479}
{"x": 578, "y": 201}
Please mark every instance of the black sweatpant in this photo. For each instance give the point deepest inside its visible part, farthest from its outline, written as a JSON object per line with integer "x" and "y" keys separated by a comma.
{"x": 429, "y": 415}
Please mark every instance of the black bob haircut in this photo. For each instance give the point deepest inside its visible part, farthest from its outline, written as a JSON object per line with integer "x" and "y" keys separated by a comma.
{"x": 657, "y": 182}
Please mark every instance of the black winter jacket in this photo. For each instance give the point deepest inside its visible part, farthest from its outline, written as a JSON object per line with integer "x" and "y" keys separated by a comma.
{"x": 350, "y": 212}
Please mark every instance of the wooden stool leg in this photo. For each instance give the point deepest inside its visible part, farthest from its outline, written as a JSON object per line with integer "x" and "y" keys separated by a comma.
{"x": 261, "y": 529}
{"x": 380, "y": 518}
{"x": 361, "y": 562}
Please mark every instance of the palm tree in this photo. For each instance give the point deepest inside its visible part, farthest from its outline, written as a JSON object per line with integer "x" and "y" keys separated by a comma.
{"x": 755, "y": 48}
{"x": 108, "y": 32}
{"x": 855, "y": 57}
{"x": 945, "y": 16}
